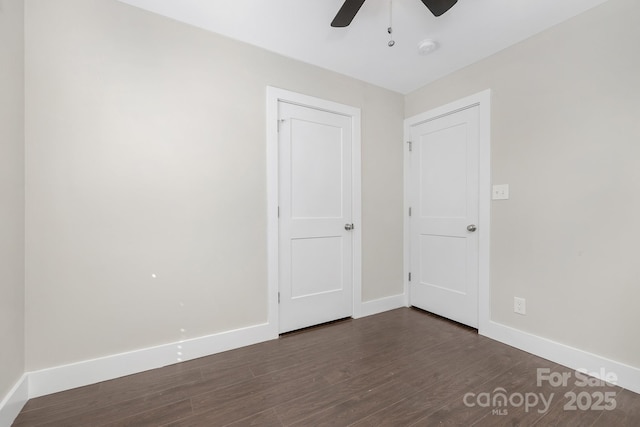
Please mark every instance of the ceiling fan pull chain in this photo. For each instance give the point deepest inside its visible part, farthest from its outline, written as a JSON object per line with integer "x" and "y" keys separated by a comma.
{"x": 390, "y": 29}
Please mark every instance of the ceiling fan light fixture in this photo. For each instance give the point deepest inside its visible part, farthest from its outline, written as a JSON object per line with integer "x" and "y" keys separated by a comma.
{"x": 426, "y": 46}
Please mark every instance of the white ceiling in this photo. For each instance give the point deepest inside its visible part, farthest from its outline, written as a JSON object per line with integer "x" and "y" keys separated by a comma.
{"x": 300, "y": 29}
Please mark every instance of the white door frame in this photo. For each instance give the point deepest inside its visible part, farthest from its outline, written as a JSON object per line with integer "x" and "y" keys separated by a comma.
{"x": 275, "y": 95}
{"x": 483, "y": 101}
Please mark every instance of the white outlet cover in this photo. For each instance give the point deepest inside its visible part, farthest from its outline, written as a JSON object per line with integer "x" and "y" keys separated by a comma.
{"x": 500, "y": 192}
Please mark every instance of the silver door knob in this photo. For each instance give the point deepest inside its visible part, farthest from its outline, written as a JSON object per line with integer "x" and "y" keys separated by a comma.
{"x": 471, "y": 228}
{"x": 348, "y": 227}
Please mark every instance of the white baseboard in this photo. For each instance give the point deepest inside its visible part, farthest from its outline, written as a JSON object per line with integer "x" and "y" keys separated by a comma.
{"x": 66, "y": 377}
{"x": 376, "y": 306}
{"x": 14, "y": 401}
{"x": 60, "y": 378}
{"x": 628, "y": 376}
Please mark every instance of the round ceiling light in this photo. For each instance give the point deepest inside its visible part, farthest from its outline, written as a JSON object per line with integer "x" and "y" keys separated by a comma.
{"x": 427, "y": 46}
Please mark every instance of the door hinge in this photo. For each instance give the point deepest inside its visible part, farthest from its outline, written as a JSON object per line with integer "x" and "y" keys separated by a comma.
{"x": 410, "y": 145}
{"x": 279, "y": 122}
{"x": 278, "y": 211}
{"x": 278, "y": 297}
{"x": 409, "y": 211}
{"x": 409, "y": 276}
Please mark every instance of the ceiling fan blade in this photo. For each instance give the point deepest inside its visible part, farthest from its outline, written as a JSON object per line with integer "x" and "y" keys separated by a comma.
{"x": 346, "y": 13}
{"x": 438, "y": 7}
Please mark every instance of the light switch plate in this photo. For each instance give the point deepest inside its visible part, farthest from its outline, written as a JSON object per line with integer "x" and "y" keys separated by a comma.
{"x": 500, "y": 192}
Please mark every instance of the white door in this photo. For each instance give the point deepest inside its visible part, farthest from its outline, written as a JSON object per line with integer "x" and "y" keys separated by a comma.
{"x": 444, "y": 203}
{"x": 315, "y": 219}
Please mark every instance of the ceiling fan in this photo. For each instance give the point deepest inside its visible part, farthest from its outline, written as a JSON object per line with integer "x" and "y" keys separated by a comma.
{"x": 351, "y": 7}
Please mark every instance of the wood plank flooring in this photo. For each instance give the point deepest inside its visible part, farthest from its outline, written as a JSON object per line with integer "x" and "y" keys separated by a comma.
{"x": 400, "y": 368}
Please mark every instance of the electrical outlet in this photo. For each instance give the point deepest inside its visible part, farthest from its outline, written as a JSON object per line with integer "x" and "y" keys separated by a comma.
{"x": 519, "y": 305}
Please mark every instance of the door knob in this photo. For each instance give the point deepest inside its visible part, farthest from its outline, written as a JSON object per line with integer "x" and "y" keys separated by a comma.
{"x": 471, "y": 228}
{"x": 348, "y": 227}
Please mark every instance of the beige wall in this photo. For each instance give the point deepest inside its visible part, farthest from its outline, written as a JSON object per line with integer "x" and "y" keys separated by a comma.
{"x": 566, "y": 137}
{"x": 146, "y": 156}
{"x": 11, "y": 194}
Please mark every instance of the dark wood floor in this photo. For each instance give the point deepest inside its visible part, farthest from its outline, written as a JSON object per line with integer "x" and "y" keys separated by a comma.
{"x": 399, "y": 368}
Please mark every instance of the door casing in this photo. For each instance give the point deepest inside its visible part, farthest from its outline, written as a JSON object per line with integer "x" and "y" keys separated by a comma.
{"x": 483, "y": 101}
{"x": 274, "y": 96}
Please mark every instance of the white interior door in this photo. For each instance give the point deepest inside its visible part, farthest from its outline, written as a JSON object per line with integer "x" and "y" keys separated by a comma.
{"x": 315, "y": 216}
{"x": 444, "y": 201}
